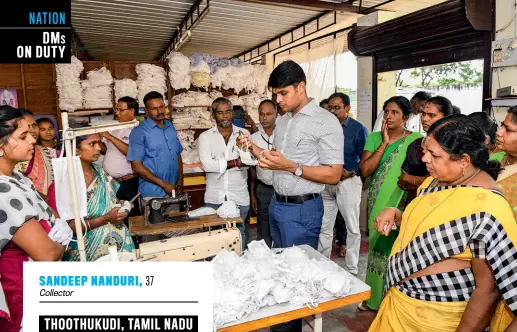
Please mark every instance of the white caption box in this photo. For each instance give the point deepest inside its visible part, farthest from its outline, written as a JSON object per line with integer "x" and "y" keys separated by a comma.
{"x": 136, "y": 289}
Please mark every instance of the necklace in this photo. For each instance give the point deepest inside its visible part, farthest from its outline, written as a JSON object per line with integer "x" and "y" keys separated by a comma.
{"x": 433, "y": 209}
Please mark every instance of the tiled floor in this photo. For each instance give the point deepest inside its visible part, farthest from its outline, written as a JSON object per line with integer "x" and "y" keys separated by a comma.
{"x": 347, "y": 319}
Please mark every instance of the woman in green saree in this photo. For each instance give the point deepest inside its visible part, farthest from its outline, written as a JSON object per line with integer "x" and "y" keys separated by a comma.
{"x": 382, "y": 159}
{"x": 104, "y": 223}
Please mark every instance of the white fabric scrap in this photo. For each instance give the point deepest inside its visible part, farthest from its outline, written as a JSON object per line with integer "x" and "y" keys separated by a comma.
{"x": 68, "y": 85}
{"x": 260, "y": 277}
{"x": 125, "y": 88}
{"x": 228, "y": 210}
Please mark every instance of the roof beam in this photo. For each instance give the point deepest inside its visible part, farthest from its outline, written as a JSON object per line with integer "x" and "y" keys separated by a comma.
{"x": 311, "y": 4}
{"x": 194, "y": 15}
{"x": 79, "y": 46}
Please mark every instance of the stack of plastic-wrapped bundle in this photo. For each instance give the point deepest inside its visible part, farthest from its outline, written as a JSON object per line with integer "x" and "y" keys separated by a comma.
{"x": 69, "y": 85}
{"x": 97, "y": 92}
{"x": 193, "y": 110}
{"x": 125, "y": 88}
{"x": 150, "y": 78}
{"x": 179, "y": 71}
{"x": 199, "y": 70}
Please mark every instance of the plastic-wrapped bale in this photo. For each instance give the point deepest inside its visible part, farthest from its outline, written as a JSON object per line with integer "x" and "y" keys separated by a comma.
{"x": 192, "y": 118}
{"x": 68, "y": 85}
{"x": 96, "y": 96}
{"x": 195, "y": 98}
{"x": 125, "y": 88}
{"x": 150, "y": 78}
{"x": 179, "y": 70}
{"x": 97, "y": 92}
{"x": 190, "y": 154}
{"x": 99, "y": 77}
{"x": 261, "y": 77}
{"x": 252, "y": 102}
{"x": 200, "y": 74}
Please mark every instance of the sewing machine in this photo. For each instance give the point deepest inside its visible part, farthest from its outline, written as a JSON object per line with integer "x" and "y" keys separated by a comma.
{"x": 194, "y": 247}
{"x": 161, "y": 210}
{"x": 203, "y": 245}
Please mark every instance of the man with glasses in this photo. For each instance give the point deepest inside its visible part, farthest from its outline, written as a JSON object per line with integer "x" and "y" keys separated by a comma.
{"x": 345, "y": 196}
{"x": 155, "y": 151}
{"x": 115, "y": 147}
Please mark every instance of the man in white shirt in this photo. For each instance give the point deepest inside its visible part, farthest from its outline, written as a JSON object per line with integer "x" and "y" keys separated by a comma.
{"x": 262, "y": 179}
{"x": 226, "y": 173}
{"x": 115, "y": 146}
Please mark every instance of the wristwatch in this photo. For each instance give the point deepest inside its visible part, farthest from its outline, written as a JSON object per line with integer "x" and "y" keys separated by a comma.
{"x": 299, "y": 170}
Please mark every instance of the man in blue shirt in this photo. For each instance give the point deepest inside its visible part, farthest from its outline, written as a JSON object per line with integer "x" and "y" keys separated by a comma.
{"x": 155, "y": 151}
{"x": 345, "y": 197}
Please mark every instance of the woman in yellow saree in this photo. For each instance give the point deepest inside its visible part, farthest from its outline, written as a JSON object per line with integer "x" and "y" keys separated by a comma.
{"x": 455, "y": 255}
{"x": 506, "y": 142}
{"x": 383, "y": 155}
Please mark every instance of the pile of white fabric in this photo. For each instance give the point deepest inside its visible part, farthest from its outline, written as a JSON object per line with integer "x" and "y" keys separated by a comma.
{"x": 250, "y": 102}
{"x": 246, "y": 77}
{"x": 195, "y": 98}
{"x": 125, "y": 88}
{"x": 179, "y": 70}
{"x": 190, "y": 153}
{"x": 242, "y": 285}
{"x": 69, "y": 85}
{"x": 150, "y": 78}
{"x": 192, "y": 118}
{"x": 97, "y": 89}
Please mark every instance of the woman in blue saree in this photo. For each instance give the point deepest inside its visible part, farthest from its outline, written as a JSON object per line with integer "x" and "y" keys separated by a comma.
{"x": 104, "y": 223}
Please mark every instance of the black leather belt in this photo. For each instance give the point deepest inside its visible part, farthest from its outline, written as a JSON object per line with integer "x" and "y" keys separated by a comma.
{"x": 295, "y": 199}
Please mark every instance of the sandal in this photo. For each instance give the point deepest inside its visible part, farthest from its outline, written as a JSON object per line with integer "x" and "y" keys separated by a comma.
{"x": 363, "y": 307}
{"x": 342, "y": 251}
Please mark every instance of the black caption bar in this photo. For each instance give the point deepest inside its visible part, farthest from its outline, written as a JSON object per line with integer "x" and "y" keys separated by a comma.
{"x": 118, "y": 323}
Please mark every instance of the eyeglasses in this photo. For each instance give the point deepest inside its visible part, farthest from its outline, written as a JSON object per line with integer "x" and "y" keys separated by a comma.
{"x": 118, "y": 110}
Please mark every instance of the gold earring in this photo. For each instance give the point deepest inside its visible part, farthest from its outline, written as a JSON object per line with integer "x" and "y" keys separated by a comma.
{"x": 463, "y": 172}
{"x": 1, "y": 153}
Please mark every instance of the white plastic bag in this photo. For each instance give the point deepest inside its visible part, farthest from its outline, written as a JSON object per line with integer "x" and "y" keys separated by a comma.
{"x": 62, "y": 186}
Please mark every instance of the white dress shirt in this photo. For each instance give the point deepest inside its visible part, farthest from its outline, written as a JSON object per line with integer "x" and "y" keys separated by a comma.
{"x": 263, "y": 141}
{"x": 115, "y": 162}
{"x": 224, "y": 183}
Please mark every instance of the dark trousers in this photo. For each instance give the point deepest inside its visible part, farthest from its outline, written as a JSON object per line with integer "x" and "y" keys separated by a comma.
{"x": 295, "y": 224}
{"x": 340, "y": 230}
{"x": 263, "y": 193}
{"x": 127, "y": 191}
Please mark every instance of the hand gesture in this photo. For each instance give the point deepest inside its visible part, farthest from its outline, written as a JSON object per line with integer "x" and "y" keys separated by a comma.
{"x": 347, "y": 174}
{"x": 115, "y": 217}
{"x": 274, "y": 160}
{"x": 384, "y": 132}
{"x": 168, "y": 188}
{"x": 385, "y": 221}
{"x": 244, "y": 141}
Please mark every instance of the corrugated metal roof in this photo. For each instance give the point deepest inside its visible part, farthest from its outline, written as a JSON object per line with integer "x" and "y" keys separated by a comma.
{"x": 127, "y": 29}
{"x": 140, "y": 29}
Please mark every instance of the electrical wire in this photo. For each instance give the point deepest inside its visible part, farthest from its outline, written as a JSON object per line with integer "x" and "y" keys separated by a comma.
{"x": 508, "y": 24}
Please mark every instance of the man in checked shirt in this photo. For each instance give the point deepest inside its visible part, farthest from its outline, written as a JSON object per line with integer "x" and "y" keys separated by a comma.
{"x": 307, "y": 154}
